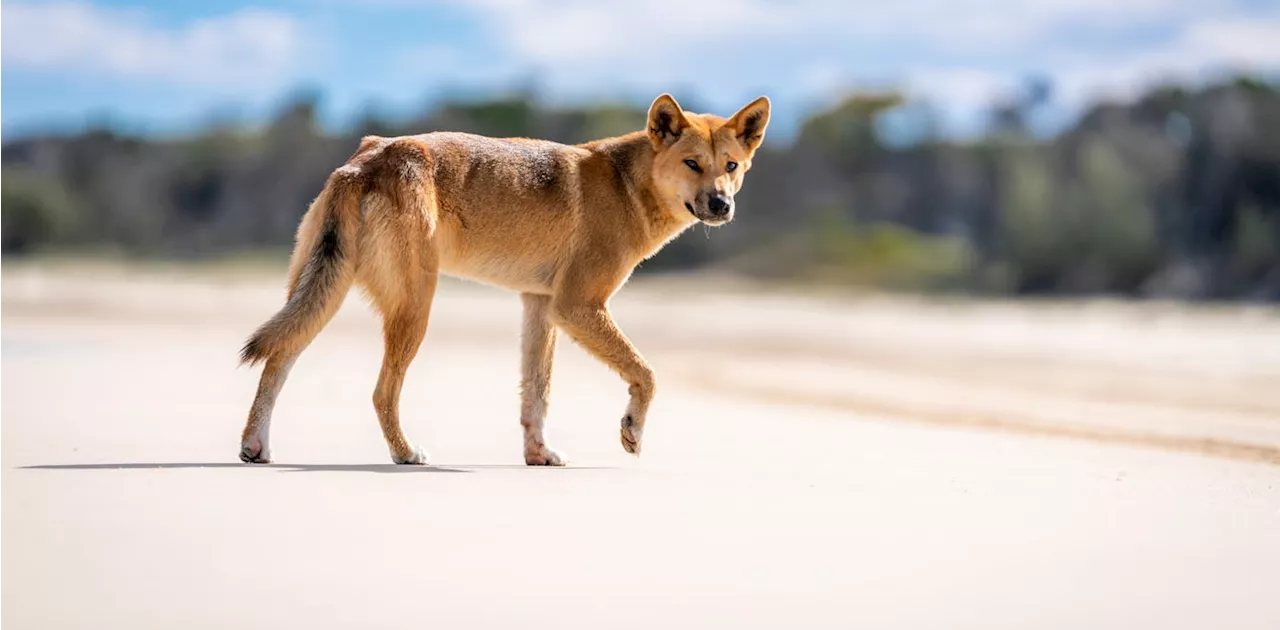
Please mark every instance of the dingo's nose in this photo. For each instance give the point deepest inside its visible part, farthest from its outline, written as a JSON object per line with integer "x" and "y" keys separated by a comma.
{"x": 718, "y": 205}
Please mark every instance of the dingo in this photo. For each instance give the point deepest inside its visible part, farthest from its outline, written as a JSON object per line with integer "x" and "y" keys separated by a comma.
{"x": 562, "y": 225}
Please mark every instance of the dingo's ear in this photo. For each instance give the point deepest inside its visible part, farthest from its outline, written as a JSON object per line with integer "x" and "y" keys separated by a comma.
{"x": 749, "y": 123}
{"x": 666, "y": 121}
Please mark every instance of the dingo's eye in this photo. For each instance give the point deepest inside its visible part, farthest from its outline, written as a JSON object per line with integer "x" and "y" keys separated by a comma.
{"x": 730, "y": 167}
{"x": 693, "y": 164}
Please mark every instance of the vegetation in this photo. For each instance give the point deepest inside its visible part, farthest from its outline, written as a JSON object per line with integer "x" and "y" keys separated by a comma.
{"x": 1174, "y": 194}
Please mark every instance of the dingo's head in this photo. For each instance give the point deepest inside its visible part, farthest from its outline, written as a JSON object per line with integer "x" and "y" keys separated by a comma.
{"x": 701, "y": 159}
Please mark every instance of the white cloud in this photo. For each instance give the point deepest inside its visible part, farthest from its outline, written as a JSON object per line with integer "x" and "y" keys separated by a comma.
{"x": 1201, "y": 51}
{"x": 1249, "y": 43}
{"x": 961, "y": 54}
{"x": 960, "y": 87}
{"x": 249, "y": 46}
{"x": 636, "y": 37}
{"x": 574, "y": 31}
{"x": 577, "y": 31}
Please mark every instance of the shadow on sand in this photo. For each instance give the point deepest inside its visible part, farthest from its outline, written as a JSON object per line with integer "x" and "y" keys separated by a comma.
{"x": 364, "y": 468}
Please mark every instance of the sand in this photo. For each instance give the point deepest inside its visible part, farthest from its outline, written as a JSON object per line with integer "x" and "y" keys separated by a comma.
{"x": 808, "y": 463}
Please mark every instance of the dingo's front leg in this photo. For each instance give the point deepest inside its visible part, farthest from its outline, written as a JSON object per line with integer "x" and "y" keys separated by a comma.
{"x": 592, "y": 327}
{"x": 537, "y": 349}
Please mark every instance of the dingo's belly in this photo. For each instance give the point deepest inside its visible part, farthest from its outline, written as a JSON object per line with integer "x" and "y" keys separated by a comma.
{"x": 517, "y": 262}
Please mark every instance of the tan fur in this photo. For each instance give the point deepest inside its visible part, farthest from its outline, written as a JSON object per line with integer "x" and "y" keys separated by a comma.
{"x": 562, "y": 225}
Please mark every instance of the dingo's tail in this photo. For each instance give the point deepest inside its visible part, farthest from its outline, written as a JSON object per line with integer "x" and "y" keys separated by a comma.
{"x": 321, "y": 273}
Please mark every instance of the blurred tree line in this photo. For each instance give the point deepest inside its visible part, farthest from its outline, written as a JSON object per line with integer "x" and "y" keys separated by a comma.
{"x": 1175, "y": 194}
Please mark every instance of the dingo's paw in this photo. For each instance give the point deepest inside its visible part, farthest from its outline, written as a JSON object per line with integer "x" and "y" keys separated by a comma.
{"x": 631, "y": 434}
{"x": 415, "y": 457}
{"x": 253, "y": 451}
{"x": 544, "y": 456}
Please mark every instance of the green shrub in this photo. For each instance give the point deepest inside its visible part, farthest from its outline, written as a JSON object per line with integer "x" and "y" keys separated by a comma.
{"x": 37, "y": 212}
{"x": 886, "y": 255}
{"x": 1033, "y": 240}
{"x": 1257, "y": 239}
{"x": 1116, "y": 224}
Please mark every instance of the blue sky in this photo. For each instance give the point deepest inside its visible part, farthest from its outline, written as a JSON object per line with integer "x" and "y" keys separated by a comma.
{"x": 169, "y": 66}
